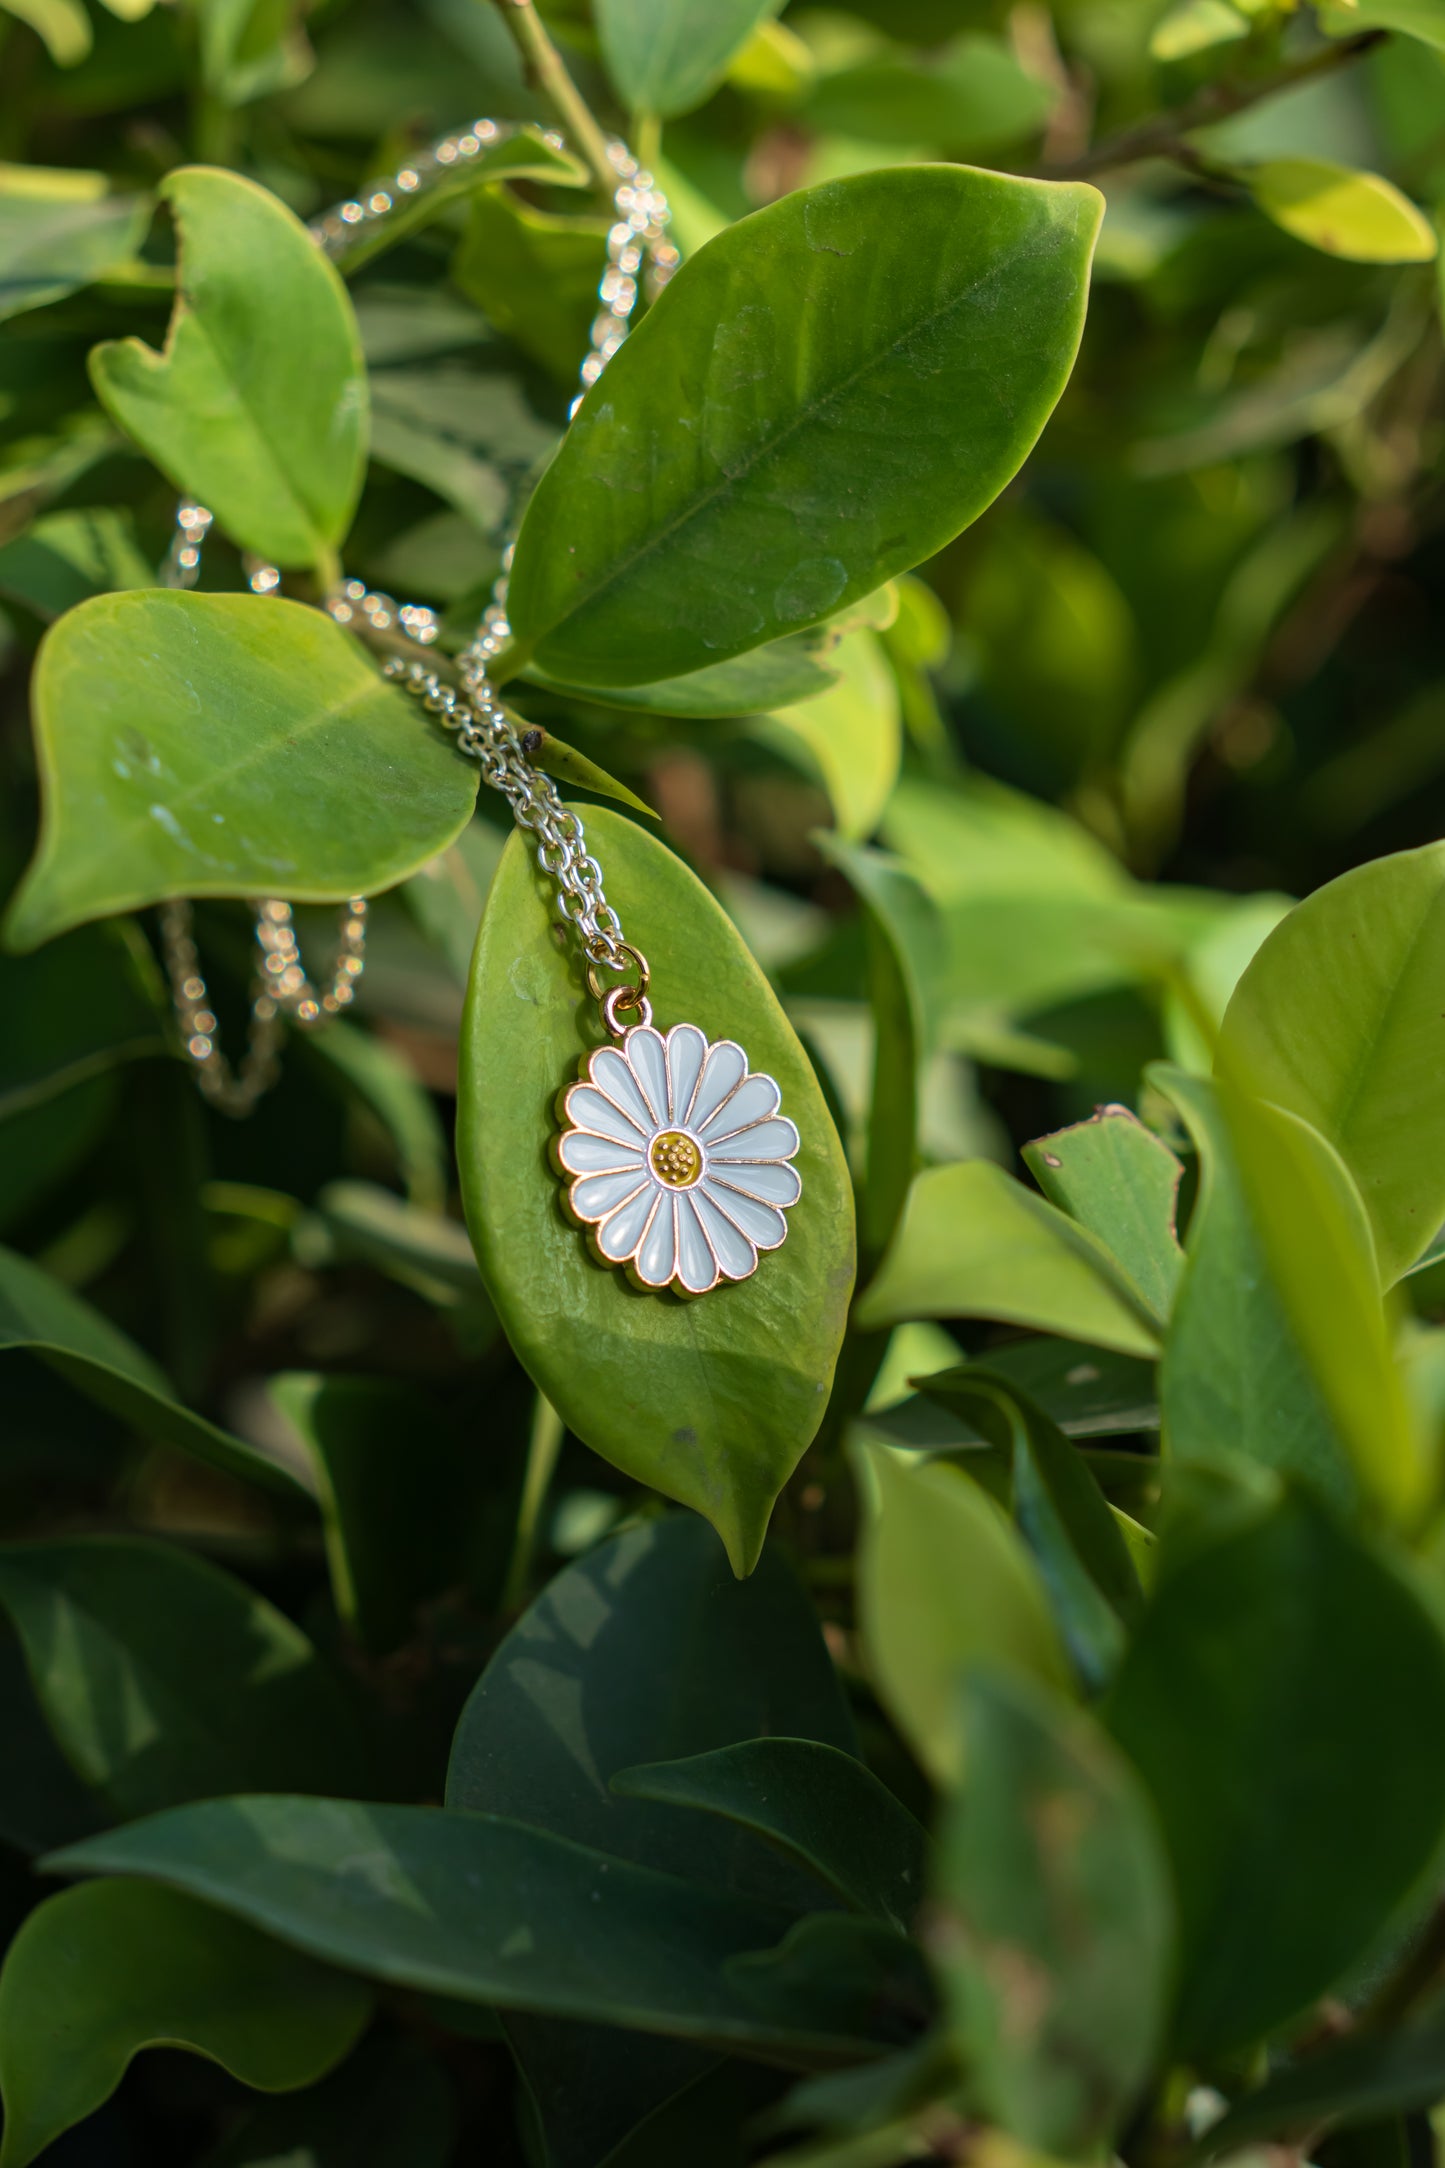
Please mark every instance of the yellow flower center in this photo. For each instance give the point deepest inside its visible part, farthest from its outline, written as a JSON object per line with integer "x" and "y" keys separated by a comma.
{"x": 676, "y": 1160}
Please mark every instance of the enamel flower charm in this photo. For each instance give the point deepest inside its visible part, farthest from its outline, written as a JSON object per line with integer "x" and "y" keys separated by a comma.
{"x": 677, "y": 1159}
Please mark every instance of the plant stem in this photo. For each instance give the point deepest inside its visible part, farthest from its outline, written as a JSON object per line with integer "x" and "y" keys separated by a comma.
{"x": 1164, "y": 135}
{"x": 542, "y": 1451}
{"x": 547, "y": 71}
{"x": 649, "y": 140}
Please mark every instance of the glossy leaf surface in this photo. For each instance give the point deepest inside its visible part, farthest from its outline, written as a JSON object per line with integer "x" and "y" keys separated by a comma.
{"x": 817, "y": 1805}
{"x": 666, "y": 56}
{"x": 37, "y": 1313}
{"x": 472, "y": 1906}
{"x": 101, "y": 1972}
{"x": 975, "y": 1243}
{"x": 647, "y": 1650}
{"x": 711, "y": 1402}
{"x": 1290, "y": 1649}
{"x": 1337, "y": 1019}
{"x": 257, "y": 406}
{"x": 707, "y": 497}
{"x": 165, "y": 1679}
{"x": 224, "y": 745}
{"x": 1055, "y": 1926}
{"x": 944, "y": 1585}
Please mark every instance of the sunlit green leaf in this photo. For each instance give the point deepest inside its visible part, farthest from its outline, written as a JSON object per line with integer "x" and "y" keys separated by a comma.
{"x": 975, "y": 1243}
{"x": 1356, "y": 215}
{"x": 849, "y": 735}
{"x": 527, "y": 155}
{"x": 712, "y": 1403}
{"x": 944, "y": 1585}
{"x": 655, "y": 543}
{"x": 1119, "y": 1180}
{"x": 1338, "y": 1019}
{"x": 224, "y": 745}
{"x": 103, "y": 1971}
{"x": 1423, "y": 19}
{"x": 257, "y": 406}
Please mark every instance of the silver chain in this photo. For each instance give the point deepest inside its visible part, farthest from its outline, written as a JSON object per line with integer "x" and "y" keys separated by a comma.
{"x": 636, "y": 243}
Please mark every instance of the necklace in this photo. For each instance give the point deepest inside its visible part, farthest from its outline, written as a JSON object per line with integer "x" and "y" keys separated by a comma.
{"x": 673, "y": 1154}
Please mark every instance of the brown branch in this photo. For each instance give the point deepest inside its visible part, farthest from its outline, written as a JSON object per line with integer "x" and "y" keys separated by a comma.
{"x": 1163, "y": 136}
{"x": 547, "y": 71}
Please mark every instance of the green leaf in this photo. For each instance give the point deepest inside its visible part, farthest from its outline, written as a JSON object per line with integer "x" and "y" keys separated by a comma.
{"x": 563, "y": 761}
{"x": 676, "y": 1658}
{"x": 944, "y": 1585}
{"x": 1119, "y": 1180}
{"x": 476, "y": 1907}
{"x": 1277, "y": 1671}
{"x": 666, "y": 56}
{"x": 63, "y": 25}
{"x": 1054, "y": 1922}
{"x": 525, "y": 156}
{"x": 1192, "y": 27}
{"x": 91, "y": 1003}
{"x": 252, "y": 48}
{"x": 850, "y": 735}
{"x": 968, "y": 99}
{"x": 1359, "y": 216}
{"x": 66, "y": 557}
{"x": 1423, "y": 19}
{"x": 975, "y": 1243}
{"x": 257, "y": 406}
{"x": 817, "y": 1805}
{"x": 99, "y": 1973}
{"x": 1377, "y": 2072}
{"x": 904, "y": 935}
{"x": 59, "y": 231}
{"x": 37, "y": 1313}
{"x": 1338, "y": 1019}
{"x": 164, "y": 1679}
{"x": 1087, "y": 1393}
{"x": 1278, "y": 1347}
{"x": 534, "y": 275}
{"x": 778, "y": 675}
{"x": 402, "y": 1497}
{"x": 870, "y": 1979}
{"x": 383, "y": 1078}
{"x": 654, "y": 544}
{"x": 711, "y": 1403}
{"x": 1061, "y": 1514}
{"x": 224, "y": 745}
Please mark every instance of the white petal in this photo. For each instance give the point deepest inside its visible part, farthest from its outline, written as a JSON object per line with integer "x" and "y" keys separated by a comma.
{"x": 612, "y": 1074}
{"x": 648, "y": 1057}
{"x": 588, "y": 1109}
{"x": 723, "y": 1071}
{"x": 735, "y": 1254}
{"x": 686, "y": 1047}
{"x": 603, "y": 1193}
{"x": 777, "y": 1139}
{"x": 763, "y": 1224}
{"x": 582, "y": 1153}
{"x": 657, "y": 1257}
{"x": 697, "y": 1268}
{"x": 753, "y": 1101}
{"x": 618, "y": 1237}
{"x": 772, "y": 1181}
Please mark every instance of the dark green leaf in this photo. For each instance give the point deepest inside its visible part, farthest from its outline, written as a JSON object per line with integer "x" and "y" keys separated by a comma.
{"x": 389, "y": 2108}
{"x": 224, "y": 745}
{"x": 1121, "y": 1182}
{"x": 257, "y": 406}
{"x": 90, "y": 1002}
{"x": 99, "y": 1973}
{"x": 480, "y": 1908}
{"x": 1279, "y": 1669}
{"x": 1087, "y": 1391}
{"x": 36, "y": 1312}
{"x": 164, "y": 1679}
{"x": 666, "y": 56}
{"x": 525, "y": 156}
{"x": 871, "y": 1980}
{"x": 819, "y": 1806}
{"x": 58, "y": 231}
{"x": 1375, "y": 2073}
{"x": 655, "y": 543}
{"x": 1055, "y": 1924}
{"x": 711, "y": 1403}
{"x": 535, "y": 276}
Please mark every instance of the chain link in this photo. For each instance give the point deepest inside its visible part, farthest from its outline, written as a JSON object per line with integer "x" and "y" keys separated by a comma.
{"x": 637, "y": 246}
